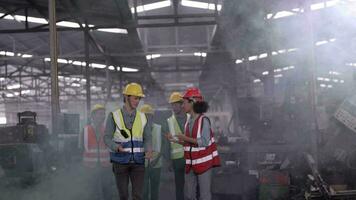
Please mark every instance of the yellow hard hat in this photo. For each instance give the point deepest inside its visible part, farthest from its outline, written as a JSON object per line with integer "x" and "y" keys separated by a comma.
{"x": 133, "y": 89}
{"x": 147, "y": 109}
{"x": 175, "y": 97}
{"x": 97, "y": 107}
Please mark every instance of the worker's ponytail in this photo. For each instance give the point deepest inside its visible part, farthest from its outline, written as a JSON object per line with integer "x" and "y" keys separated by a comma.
{"x": 200, "y": 107}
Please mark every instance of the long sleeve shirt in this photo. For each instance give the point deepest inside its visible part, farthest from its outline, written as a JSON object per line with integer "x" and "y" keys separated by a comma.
{"x": 129, "y": 119}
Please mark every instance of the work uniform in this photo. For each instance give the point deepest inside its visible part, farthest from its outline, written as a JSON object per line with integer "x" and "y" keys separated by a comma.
{"x": 153, "y": 166}
{"x": 199, "y": 158}
{"x": 96, "y": 161}
{"x": 133, "y": 132}
{"x": 175, "y": 126}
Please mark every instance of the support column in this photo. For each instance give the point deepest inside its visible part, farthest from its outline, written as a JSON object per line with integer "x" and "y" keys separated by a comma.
{"x": 54, "y": 65}
{"x": 87, "y": 69}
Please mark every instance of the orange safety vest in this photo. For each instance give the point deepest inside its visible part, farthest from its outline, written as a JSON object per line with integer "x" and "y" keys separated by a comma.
{"x": 200, "y": 159}
{"x": 95, "y": 152}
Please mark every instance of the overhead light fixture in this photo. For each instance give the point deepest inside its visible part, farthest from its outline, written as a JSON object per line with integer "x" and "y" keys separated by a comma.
{"x": 153, "y": 56}
{"x": 113, "y": 30}
{"x": 238, "y": 61}
{"x": 283, "y": 14}
{"x": 251, "y": 58}
{"x": 25, "y": 91}
{"x": 15, "y": 86}
{"x": 292, "y": 49}
{"x": 68, "y": 24}
{"x": 75, "y": 85}
{"x": 197, "y": 54}
{"x": 263, "y": 55}
{"x": 152, "y": 6}
{"x": 97, "y": 65}
{"x": 63, "y": 61}
{"x": 26, "y": 56}
{"x": 317, "y": 6}
{"x": 128, "y": 69}
{"x": 265, "y": 73}
{"x": 321, "y": 42}
{"x": 257, "y": 80}
{"x": 36, "y": 20}
{"x": 201, "y": 5}
{"x": 111, "y": 67}
{"x": 282, "y": 51}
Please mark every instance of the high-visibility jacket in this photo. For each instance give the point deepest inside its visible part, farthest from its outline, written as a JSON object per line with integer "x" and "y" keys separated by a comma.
{"x": 156, "y": 161}
{"x": 133, "y": 144}
{"x": 200, "y": 159}
{"x": 177, "y": 150}
{"x": 95, "y": 151}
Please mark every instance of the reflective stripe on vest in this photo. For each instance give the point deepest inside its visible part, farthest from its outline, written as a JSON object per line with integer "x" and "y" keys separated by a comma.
{"x": 200, "y": 159}
{"x": 177, "y": 150}
{"x": 135, "y": 150}
{"x": 133, "y": 145}
{"x": 95, "y": 152}
{"x": 195, "y": 149}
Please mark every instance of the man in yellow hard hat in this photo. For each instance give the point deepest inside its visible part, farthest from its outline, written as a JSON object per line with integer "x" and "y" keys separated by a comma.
{"x": 96, "y": 159}
{"x": 153, "y": 166}
{"x": 128, "y": 136}
{"x": 175, "y": 126}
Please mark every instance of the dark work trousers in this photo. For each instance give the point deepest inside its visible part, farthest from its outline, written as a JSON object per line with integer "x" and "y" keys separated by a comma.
{"x": 133, "y": 172}
{"x": 179, "y": 173}
{"x": 152, "y": 183}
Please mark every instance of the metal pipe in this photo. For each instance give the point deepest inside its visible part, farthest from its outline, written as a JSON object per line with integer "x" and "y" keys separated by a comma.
{"x": 54, "y": 64}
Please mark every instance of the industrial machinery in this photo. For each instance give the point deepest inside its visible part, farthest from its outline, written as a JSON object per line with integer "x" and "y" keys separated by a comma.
{"x": 24, "y": 150}
{"x": 320, "y": 190}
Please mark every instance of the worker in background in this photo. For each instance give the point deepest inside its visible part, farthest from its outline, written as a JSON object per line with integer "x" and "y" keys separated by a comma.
{"x": 128, "y": 136}
{"x": 175, "y": 126}
{"x": 200, "y": 151}
{"x": 96, "y": 155}
{"x": 153, "y": 166}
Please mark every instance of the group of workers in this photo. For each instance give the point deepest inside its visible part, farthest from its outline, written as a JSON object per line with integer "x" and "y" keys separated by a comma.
{"x": 136, "y": 146}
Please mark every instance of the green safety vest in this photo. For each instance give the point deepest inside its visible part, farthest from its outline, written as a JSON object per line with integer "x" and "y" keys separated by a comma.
{"x": 156, "y": 147}
{"x": 177, "y": 150}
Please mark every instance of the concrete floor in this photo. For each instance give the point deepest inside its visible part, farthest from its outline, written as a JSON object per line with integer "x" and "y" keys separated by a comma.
{"x": 69, "y": 184}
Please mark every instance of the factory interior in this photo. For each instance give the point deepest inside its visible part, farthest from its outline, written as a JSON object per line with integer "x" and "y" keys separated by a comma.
{"x": 279, "y": 79}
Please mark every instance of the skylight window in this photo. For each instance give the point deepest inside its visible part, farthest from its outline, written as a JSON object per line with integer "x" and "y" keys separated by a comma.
{"x": 201, "y": 5}
{"x": 152, "y": 6}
